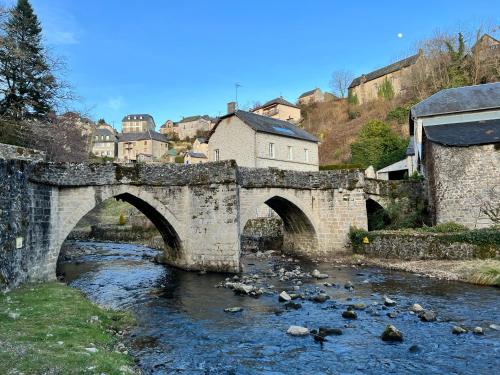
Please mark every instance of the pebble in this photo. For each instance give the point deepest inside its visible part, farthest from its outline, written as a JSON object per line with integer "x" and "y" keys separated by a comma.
{"x": 389, "y": 302}
{"x": 318, "y": 275}
{"x": 392, "y": 315}
{"x": 478, "y": 331}
{"x": 233, "y": 309}
{"x": 457, "y": 330}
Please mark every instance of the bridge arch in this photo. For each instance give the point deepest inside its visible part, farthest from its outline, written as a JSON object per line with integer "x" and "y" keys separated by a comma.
{"x": 376, "y": 214}
{"x": 74, "y": 203}
{"x": 299, "y": 231}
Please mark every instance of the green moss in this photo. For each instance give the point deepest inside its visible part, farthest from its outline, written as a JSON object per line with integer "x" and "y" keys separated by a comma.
{"x": 49, "y": 314}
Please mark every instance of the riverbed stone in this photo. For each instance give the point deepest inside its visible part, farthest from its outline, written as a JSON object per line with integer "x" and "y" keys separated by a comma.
{"x": 318, "y": 275}
{"x": 427, "y": 316}
{"x": 233, "y": 309}
{"x": 389, "y": 302}
{"x": 495, "y": 327}
{"x": 293, "y": 305}
{"x": 320, "y": 298}
{"x": 478, "y": 331}
{"x": 457, "y": 330}
{"x": 349, "y": 314}
{"x": 349, "y": 285}
{"x": 284, "y": 297}
{"x": 391, "y": 333}
{"x": 297, "y": 331}
{"x": 416, "y": 308}
{"x": 326, "y": 331}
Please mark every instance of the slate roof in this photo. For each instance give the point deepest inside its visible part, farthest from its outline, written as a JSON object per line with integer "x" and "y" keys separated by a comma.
{"x": 131, "y": 137}
{"x": 276, "y": 101}
{"x": 195, "y": 118}
{"x": 264, "y": 124}
{"x": 307, "y": 93}
{"x": 135, "y": 117}
{"x": 201, "y": 140}
{"x": 465, "y": 133}
{"x": 398, "y": 65}
{"x": 198, "y": 155}
{"x": 397, "y": 166}
{"x": 104, "y": 132}
{"x": 460, "y": 99}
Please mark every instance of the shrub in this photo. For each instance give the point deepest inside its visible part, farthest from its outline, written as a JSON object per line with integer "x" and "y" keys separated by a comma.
{"x": 352, "y": 99}
{"x": 386, "y": 91}
{"x": 357, "y": 236}
{"x": 121, "y": 220}
{"x": 399, "y": 114}
{"x": 450, "y": 227}
{"x": 353, "y": 114}
{"x": 179, "y": 159}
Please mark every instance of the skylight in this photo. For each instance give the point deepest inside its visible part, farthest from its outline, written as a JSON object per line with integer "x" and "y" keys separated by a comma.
{"x": 284, "y": 130}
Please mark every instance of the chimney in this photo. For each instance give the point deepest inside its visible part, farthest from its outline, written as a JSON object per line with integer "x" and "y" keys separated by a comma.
{"x": 231, "y": 107}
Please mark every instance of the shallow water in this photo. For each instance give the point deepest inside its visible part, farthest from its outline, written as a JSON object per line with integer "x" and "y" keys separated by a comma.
{"x": 182, "y": 328}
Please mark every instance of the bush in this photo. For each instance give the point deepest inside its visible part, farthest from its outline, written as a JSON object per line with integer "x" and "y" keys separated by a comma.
{"x": 399, "y": 114}
{"x": 386, "y": 91}
{"x": 357, "y": 237}
{"x": 179, "y": 159}
{"x": 450, "y": 227}
{"x": 377, "y": 145}
{"x": 121, "y": 220}
{"x": 352, "y": 99}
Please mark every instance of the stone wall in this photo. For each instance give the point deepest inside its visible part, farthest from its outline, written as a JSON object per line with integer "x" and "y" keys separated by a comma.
{"x": 260, "y": 234}
{"x": 25, "y": 218}
{"x": 16, "y": 152}
{"x": 422, "y": 246}
{"x": 462, "y": 180}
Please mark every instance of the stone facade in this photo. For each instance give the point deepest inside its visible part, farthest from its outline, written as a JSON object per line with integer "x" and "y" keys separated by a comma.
{"x": 279, "y": 109}
{"x": 200, "y": 210}
{"x": 138, "y": 123}
{"x": 16, "y": 152}
{"x": 461, "y": 181}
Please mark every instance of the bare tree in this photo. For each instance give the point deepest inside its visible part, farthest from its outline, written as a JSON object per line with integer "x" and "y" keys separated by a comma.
{"x": 341, "y": 79}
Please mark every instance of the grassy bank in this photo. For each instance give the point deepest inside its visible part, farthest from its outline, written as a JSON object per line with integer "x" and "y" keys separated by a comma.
{"x": 52, "y": 328}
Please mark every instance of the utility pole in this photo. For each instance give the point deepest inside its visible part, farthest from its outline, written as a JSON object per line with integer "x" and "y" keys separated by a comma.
{"x": 236, "y": 87}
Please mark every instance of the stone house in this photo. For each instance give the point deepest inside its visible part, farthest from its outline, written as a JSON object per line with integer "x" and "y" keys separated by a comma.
{"x": 279, "y": 109}
{"x": 104, "y": 142}
{"x": 138, "y": 123}
{"x": 170, "y": 128}
{"x": 144, "y": 146}
{"x": 259, "y": 141}
{"x": 192, "y": 157}
{"x": 315, "y": 96}
{"x": 366, "y": 86}
{"x": 192, "y": 126}
{"x": 456, "y": 144}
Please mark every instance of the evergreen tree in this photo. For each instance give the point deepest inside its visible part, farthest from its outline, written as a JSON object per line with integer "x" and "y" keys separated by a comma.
{"x": 28, "y": 88}
{"x": 456, "y": 72}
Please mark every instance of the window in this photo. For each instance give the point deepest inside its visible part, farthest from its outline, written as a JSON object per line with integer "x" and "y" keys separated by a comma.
{"x": 96, "y": 137}
{"x": 145, "y": 143}
{"x": 107, "y": 138}
{"x": 290, "y": 153}
{"x": 216, "y": 155}
{"x": 271, "y": 150}
{"x": 306, "y": 155}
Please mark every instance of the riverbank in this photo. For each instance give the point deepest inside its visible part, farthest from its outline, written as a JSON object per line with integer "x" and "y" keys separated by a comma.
{"x": 474, "y": 271}
{"x": 52, "y": 328}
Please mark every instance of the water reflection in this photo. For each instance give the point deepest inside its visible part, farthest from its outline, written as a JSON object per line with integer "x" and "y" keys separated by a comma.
{"x": 182, "y": 327}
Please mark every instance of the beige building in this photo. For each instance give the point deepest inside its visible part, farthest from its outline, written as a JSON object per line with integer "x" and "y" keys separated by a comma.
{"x": 170, "y": 128}
{"x": 279, "y": 109}
{"x": 192, "y": 126}
{"x": 315, "y": 96}
{"x": 145, "y": 146}
{"x": 138, "y": 123}
{"x": 104, "y": 142}
{"x": 260, "y": 142}
{"x": 365, "y": 88}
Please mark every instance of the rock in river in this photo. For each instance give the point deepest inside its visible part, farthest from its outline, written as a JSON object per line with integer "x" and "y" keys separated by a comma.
{"x": 233, "y": 309}
{"x": 457, "y": 330}
{"x": 391, "y": 333}
{"x": 240, "y": 287}
{"x": 349, "y": 314}
{"x": 298, "y": 331}
{"x": 320, "y": 298}
{"x": 318, "y": 275}
{"x": 284, "y": 297}
{"x": 478, "y": 331}
{"x": 389, "y": 302}
{"x": 427, "y": 316}
{"x": 325, "y": 331}
{"x": 416, "y": 308}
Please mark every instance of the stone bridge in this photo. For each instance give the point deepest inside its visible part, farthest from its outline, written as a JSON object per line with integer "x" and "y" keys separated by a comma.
{"x": 200, "y": 210}
{"x": 407, "y": 193}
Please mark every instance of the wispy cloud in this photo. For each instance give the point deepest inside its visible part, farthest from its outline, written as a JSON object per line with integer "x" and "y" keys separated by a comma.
{"x": 115, "y": 103}
{"x": 60, "y": 37}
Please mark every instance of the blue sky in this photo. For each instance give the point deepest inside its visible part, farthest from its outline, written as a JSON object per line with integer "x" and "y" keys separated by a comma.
{"x": 181, "y": 58}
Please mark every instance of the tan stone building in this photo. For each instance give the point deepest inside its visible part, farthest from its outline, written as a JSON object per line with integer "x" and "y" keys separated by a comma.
{"x": 365, "y": 88}
{"x": 279, "y": 109}
{"x": 260, "y": 142}
{"x": 170, "y": 128}
{"x": 104, "y": 142}
{"x": 315, "y": 96}
{"x": 192, "y": 126}
{"x": 138, "y": 123}
{"x": 144, "y": 146}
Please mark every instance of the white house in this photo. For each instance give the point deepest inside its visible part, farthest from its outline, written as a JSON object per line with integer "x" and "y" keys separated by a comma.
{"x": 260, "y": 142}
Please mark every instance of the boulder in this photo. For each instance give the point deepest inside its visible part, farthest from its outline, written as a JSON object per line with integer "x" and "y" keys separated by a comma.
{"x": 349, "y": 314}
{"x": 391, "y": 333}
{"x": 495, "y": 327}
{"x": 416, "y": 308}
{"x": 240, "y": 288}
{"x": 325, "y": 331}
{"x": 297, "y": 331}
{"x": 320, "y": 298}
{"x": 457, "y": 330}
{"x": 478, "y": 331}
{"x": 427, "y": 316}
{"x": 284, "y": 297}
{"x": 358, "y": 306}
{"x": 318, "y": 275}
{"x": 389, "y": 302}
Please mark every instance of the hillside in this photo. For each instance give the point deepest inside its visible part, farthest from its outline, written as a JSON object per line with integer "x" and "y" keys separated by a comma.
{"x": 337, "y": 124}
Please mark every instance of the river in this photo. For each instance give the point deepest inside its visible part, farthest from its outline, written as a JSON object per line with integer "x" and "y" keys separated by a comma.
{"x": 182, "y": 328}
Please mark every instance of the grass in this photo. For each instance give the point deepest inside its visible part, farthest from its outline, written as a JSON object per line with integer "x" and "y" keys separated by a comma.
{"x": 46, "y": 328}
{"x": 486, "y": 276}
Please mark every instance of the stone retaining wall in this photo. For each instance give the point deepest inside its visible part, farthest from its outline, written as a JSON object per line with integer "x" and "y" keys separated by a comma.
{"x": 16, "y": 152}
{"x": 421, "y": 246}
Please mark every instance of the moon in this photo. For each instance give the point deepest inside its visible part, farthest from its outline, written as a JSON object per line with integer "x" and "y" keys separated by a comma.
{"x": 400, "y": 35}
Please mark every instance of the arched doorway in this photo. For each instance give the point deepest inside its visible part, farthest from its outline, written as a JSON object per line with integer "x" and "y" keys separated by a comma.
{"x": 377, "y": 215}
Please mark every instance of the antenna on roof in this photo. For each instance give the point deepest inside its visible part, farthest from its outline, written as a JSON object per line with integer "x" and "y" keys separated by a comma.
{"x": 236, "y": 87}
